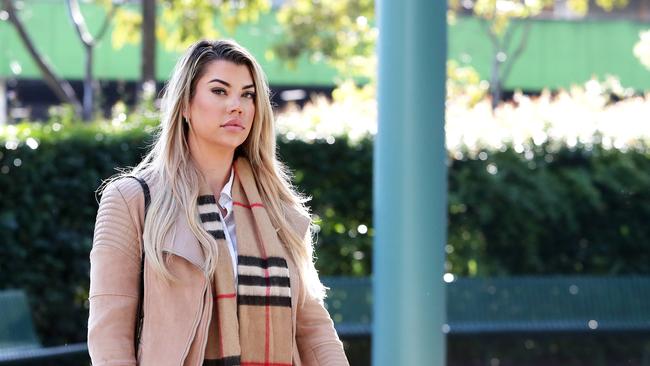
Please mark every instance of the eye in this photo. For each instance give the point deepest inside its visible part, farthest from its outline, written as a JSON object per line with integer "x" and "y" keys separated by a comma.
{"x": 219, "y": 91}
{"x": 249, "y": 95}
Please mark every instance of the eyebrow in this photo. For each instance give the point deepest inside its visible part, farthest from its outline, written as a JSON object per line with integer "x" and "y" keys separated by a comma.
{"x": 228, "y": 84}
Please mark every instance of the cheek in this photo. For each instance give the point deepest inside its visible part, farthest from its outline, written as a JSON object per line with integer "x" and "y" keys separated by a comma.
{"x": 251, "y": 110}
{"x": 204, "y": 104}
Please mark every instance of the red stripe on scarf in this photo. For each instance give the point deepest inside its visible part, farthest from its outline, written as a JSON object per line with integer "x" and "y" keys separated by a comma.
{"x": 247, "y": 206}
{"x": 234, "y": 167}
{"x": 226, "y": 296}
{"x": 268, "y": 288}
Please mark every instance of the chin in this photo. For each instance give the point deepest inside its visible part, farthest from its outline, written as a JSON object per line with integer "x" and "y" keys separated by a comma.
{"x": 231, "y": 145}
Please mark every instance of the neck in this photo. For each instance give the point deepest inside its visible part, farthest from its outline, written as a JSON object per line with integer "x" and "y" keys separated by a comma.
{"x": 214, "y": 165}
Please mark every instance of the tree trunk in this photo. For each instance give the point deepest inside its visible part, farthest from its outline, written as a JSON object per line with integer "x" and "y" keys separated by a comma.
{"x": 89, "y": 42}
{"x": 148, "y": 66}
{"x": 89, "y": 90}
{"x": 504, "y": 61}
{"x": 495, "y": 81}
{"x": 61, "y": 88}
{"x": 3, "y": 101}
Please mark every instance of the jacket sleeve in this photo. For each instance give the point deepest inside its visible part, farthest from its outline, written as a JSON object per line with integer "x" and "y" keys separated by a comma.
{"x": 317, "y": 340}
{"x": 318, "y": 343}
{"x": 114, "y": 281}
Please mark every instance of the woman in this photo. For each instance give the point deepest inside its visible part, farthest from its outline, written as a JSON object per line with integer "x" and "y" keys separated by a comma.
{"x": 228, "y": 268}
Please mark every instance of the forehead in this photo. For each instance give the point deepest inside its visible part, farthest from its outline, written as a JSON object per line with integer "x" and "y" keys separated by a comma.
{"x": 230, "y": 72}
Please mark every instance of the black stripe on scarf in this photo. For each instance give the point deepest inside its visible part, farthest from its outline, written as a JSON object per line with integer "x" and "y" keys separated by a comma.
{"x": 225, "y": 361}
{"x": 261, "y": 262}
{"x": 264, "y": 300}
{"x": 207, "y": 199}
{"x": 217, "y": 234}
{"x": 263, "y": 281}
{"x": 210, "y": 216}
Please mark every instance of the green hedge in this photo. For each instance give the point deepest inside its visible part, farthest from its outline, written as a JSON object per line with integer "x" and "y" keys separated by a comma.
{"x": 47, "y": 213}
{"x": 553, "y": 209}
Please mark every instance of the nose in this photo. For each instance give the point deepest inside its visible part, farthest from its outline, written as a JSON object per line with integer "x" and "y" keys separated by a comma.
{"x": 234, "y": 105}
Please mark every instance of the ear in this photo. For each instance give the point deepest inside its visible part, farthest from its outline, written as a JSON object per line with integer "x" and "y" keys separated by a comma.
{"x": 186, "y": 113}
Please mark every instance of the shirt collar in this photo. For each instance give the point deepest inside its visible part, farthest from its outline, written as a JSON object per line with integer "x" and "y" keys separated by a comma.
{"x": 225, "y": 197}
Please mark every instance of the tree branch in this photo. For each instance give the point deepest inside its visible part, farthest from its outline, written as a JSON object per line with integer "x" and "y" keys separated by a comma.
{"x": 507, "y": 38}
{"x": 107, "y": 21}
{"x": 61, "y": 88}
{"x": 520, "y": 48}
{"x": 79, "y": 21}
{"x": 493, "y": 37}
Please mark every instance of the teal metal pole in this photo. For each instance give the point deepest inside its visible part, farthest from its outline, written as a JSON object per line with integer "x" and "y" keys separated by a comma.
{"x": 410, "y": 185}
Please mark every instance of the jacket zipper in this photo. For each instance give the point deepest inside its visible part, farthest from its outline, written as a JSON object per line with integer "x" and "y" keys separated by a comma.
{"x": 195, "y": 325}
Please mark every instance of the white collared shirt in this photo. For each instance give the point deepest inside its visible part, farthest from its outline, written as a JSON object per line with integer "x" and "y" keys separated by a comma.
{"x": 225, "y": 201}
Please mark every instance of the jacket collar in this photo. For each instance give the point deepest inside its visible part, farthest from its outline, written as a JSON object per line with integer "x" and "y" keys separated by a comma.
{"x": 183, "y": 242}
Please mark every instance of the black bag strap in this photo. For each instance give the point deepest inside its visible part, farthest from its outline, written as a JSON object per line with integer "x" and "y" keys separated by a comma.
{"x": 140, "y": 314}
{"x": 145, "y": 190}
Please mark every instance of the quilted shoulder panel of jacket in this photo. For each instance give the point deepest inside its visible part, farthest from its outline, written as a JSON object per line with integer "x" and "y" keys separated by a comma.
{"x": 120, "y": 217}
{"x": 114, "y": 274}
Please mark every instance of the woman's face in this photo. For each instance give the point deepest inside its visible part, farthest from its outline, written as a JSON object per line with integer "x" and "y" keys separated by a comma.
{"x": 222, "y": 110}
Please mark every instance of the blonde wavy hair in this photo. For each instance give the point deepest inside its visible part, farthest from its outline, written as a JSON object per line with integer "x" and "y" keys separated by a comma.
{"x": 169, "y": 161}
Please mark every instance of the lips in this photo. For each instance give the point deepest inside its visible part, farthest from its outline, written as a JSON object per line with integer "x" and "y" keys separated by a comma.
{"x": 235, "y": 122}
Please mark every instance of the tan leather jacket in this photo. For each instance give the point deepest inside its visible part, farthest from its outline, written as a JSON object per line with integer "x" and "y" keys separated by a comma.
{"x": 177, "y": 315}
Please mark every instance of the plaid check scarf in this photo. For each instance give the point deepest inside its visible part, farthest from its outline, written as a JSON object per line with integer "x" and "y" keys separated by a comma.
{"x": 254, "y": 324}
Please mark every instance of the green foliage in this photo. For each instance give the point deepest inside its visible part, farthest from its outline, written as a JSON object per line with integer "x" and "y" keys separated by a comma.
{"x": 339, "y": 178}
{"x": 609, "y": 5}
{"x": 464, "y": 83}
{"x": 548, "y": 209}
{"x": 48, "y": 174}
{"x": 182, "y": 22}
{"x": 344, "y": 32}
{"x": 340, "y": 32}
{"x": 499, "y": 13}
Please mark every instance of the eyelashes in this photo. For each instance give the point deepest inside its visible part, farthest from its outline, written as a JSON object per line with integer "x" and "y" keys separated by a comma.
{"x": 221, "y": 91}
